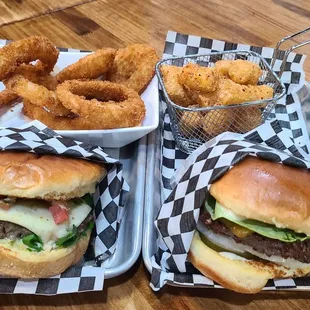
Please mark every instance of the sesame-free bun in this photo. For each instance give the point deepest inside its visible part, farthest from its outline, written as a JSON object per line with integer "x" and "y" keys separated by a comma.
{"x": 49, "y": 177}
{"x": 21, "y": 263}
{"x": 268, "y": 192}
{"x": 234, "y": 272}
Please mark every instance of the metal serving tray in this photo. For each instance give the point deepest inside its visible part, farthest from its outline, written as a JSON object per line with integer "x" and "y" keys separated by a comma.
{"x": 152, "y": 197}
{"x": 133, "y": 157}
{"x": 153, "y": 190}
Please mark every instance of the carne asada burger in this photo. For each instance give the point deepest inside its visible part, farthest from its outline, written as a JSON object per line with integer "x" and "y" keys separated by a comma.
{"x": 255, "y": 226}
{"x": 45, "y": 212}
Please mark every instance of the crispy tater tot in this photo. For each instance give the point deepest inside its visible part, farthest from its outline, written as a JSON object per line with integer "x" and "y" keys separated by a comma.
{"x": 175, "y": 90}
{"x": 222, "y": 67}
{"x": 240, "y": 71}
{"x": 247, "y": 118}
{"x": 261, "y": 92}
{"x": 230, "y": 92}
{"x": 216, "y": 122}
{"x": 244, "y": 72}
{"x": 199, "y": 79}
{"x": 190, "y": 122}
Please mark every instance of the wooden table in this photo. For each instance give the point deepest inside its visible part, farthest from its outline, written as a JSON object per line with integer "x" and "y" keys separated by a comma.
{"x": 91, "y": 24}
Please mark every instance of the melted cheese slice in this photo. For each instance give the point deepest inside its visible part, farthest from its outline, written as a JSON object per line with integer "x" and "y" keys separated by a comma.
{"x": 35, "y": 216}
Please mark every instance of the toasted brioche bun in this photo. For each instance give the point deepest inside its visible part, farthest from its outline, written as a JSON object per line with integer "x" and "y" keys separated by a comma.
{"x": 48, "y": 177}
{"x": 268, "y": 192}
{"x": 24, "y": 264}
{"x": 235, "y": 273}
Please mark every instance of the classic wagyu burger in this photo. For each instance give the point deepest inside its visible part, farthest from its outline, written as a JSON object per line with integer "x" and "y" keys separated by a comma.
{"x": 45, "y": 212}
{"x": 255, "y": 226}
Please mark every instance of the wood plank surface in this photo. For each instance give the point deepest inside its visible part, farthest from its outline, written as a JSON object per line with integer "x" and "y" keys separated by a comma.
{"x": 116, "y": 23}
{"x": 14, "y": 11}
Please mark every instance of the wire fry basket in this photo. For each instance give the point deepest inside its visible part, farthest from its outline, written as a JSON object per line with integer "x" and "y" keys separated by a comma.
{"x": 193, "y": 125}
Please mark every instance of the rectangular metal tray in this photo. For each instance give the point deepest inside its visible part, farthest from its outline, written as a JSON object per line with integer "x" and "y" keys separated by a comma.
{"x": 128, "y": 248}
{"x": 153, "y": 190}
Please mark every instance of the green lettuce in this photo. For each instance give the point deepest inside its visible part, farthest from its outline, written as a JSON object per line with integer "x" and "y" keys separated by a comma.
{"x": 73, "y": 236}
{"x": 33, "y": 242}
{"x": 217, "y": 211}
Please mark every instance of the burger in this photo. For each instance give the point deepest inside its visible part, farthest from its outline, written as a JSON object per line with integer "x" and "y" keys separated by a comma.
{"x": 45, "y": 212}
{"x": 254, "y": 226}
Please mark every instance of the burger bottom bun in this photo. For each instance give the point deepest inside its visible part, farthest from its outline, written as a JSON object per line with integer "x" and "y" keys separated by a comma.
{"x": 29, "y": 265}
{"x": 236, "y": 273}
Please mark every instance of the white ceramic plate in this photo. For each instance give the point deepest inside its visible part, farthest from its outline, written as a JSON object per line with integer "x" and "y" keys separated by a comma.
{"x": 13, "y": 116}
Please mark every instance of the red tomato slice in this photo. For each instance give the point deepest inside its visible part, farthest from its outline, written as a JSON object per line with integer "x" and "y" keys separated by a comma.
{"x": 4, "y": 205}
{"x": 59, "y": 213}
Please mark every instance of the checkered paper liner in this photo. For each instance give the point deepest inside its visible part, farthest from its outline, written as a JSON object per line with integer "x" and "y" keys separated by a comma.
{"x": 177, "y": 218}
{"x": 109, "y": 199}
{"x": 288, "y": 133}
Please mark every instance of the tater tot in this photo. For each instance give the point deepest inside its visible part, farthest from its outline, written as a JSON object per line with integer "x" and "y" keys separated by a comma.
{"x": 175, "y": 90}
{"x": 199, "y": 79}
{"x": 222, "y": 67}
{"x": 230, "y": 92}
{"x": 190, "y": 122}
{"x": 244, "y": 72}
{"x": 262, "y": 91}
{"x": 247, "y": 118}
{"x": 216, "y": 122}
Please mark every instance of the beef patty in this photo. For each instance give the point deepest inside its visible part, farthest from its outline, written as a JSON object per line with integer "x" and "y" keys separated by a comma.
{"x": 299, "y": 250}
{"x": 13, "y": 231}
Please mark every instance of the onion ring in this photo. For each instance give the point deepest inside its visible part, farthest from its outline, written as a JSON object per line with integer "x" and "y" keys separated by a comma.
{"x": 33, "y": 73}
{"x": 134, "y": 66}
{"x": 58, "y": 122}
{"x": 7, "y": 96}
{"x": 26, "y": 51}
{"x": 89, "y": 67}
{"x": 37, "y": 94}
{"x": 119, "y": 106}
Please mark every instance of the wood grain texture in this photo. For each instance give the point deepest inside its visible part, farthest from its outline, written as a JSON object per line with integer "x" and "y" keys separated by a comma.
{"x": 117, "y": 23}
{"x": 18, "y": 10}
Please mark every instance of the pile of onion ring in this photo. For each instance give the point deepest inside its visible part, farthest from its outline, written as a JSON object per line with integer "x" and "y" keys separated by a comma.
{"x": 77, "y": 97}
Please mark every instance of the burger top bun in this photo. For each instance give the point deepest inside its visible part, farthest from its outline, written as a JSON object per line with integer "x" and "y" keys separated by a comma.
{"x": 48, "y": 177}
{"x": 268, "y": 192}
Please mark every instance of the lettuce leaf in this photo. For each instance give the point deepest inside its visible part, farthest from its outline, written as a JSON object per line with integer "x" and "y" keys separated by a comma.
{"x": 33, "y": 242}
{"x": 73, "y": 236}
{"x": 217, "y": 211}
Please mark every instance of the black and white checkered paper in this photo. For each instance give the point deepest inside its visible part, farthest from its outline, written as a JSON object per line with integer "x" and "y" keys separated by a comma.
{"x": 186, "y": 179}
{"x": 109, "y": 200}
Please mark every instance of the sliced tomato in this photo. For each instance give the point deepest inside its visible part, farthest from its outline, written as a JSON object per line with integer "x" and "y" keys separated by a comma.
{"x": 60, "y": 214}
{"x": 4, "y": 205}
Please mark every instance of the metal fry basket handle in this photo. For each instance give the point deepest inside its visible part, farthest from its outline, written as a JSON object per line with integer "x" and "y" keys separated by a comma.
{"x": 289, "y": 50}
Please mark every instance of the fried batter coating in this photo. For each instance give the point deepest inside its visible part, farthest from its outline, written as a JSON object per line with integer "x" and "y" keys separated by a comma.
{"x": 134, "y": 66}
{"x": 190, "y": 122}
{"x": 89, "y": 67}
{"x": 216, "y": 122}
{"x": 244, "y": 72}
{"x": 59, "y": 122}
{"x": 222, "y": 67}
{"x": 247, "y": 118}
{"x": 7, "y": 96}
{"x": 26, "y": 51}
{"x": 230, "y": 92}
{"x": 199, "y": 79}
{"x": 37, "y": 94}
{"x": 113, "y": 105}
{"x": 240, "y": 71}
{"x": 175, "y": 90}
{"x": 33, "y": 73}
